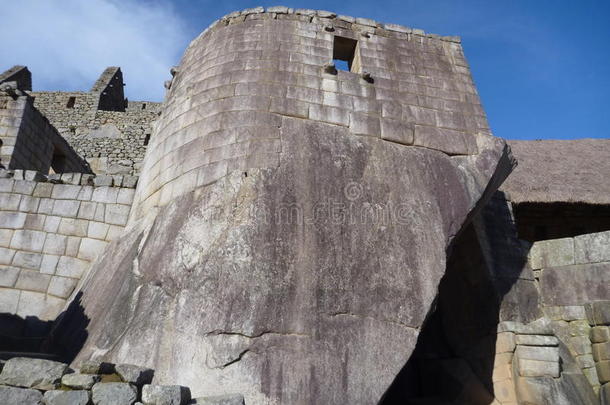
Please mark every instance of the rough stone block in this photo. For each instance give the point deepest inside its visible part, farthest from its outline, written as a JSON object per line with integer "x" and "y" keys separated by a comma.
{"x": 134, "y": 374}
{"x": 604, "y": 394}
{"x": 5, "y": 237}
{"x": 504, "y": 391}
{"x": 55, "y": 244}
{"x": 580, "y": 344}
{"x": 584, "y": 281}
{"x": 537, "y": 340}
{"x": 117, "y": 214}
{"x": 540, "y": 353}
{"x": 585, "y": 361}
{"x": 600, "y": 334}
{"x": 65, "y": 192}
{"x": 6, "y": 256}
{"x": 541, "y": 326}
{"x": 80, "y": 381}
{"x": 114, "y": 394}
{"x": 603, "y": 371}
{"x": 574, "y": 312}
{"x": 21, "y": 396}
{"x": 105, "y": 195}
{"x": 592, "y": 248}
{"x": 598, "y": 313}
{"x": 59, "y": 397}
{"x": 165, "y": 395}
{"x": 8, "y": 276}
{"x": 12, "y": 220}
{"x": 445, "y": 140}
{"x": 601, "y": 351}
{"x": 43, "y": 190}
{"x": 331, "y": 115}
{"x": 362, "y": 124}
{"x": 502, "y": 372}
{"x": 552, "y": 253}
{"x": 33, "y": 281}
{"x": 73, "y": 227}
{"x": 103, "y": 181}
{"x": 32, "y": 373}
{"x": 72, "y": 246}
{"x": 579, "y": 328}
{"x": 289, "y": 107}
{"x": 91, "y": 248}
{"x": 535, "y": 368}
{"x": 125, "y": 196}
{"x": 591, "y": 375}
{"x": 228, "y": 399}
{"x": 51, "y": 224}
{"x": 48, "y": 264}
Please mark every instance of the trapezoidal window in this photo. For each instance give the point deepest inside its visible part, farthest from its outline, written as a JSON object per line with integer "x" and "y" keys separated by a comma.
{"x": 58, "y": 162}
{"x": 71, "y": 102}
{"x": 345, "y": 54}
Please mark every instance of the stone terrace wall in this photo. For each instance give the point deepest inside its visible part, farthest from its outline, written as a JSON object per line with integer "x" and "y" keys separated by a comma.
{"x": 30, "y": 142}
{"x": 19, "y": 74}
{"x": 49, "y": 235}
{"x": 250, "y": 68}
{"x": 574, "y": 275}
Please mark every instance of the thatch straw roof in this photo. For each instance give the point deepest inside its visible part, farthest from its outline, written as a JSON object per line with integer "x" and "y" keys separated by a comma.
{"x": 560, "y": 171}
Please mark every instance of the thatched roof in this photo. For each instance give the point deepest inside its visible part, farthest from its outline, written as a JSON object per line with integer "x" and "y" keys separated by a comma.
{"x": 560, "y": 171}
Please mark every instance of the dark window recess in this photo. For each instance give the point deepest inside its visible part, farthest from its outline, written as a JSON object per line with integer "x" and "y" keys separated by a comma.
{"x": 344, "y": 54}
{"x": 540, "y": 221}
{"x": 146, "y": 139}
{"x": 71, "y": 102}
{"x": 144, "y": 106}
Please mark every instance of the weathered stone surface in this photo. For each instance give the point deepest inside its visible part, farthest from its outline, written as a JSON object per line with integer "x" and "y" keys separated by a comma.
{"x": 536, "y": 340}
{"x": 552, "y": 253}
{"x": 134, "y": 374}
{"x": 114, "y": 394}
{"x": 604, "y": 394}
{"x": 32, "y": 373}
{"x": 80, "y": 381}
{"x": 57, "y": 397}
{"x": 19, "y": 396}
{"x": 586, "y": 283}
{"x": 599, "y": 334}
{"x": 598, "y": 313}
{"x": 569, "y": 389}
{"x": 537, "y": 368}
{"x": 165, "y": 395}
{"x": 227, "y": 399}
{"x": 538, "y": 353}
{"x": 319, "y": 315}
{"x": 603, "y": 371}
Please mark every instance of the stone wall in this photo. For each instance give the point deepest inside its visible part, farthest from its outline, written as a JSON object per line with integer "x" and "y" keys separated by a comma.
{"x": 574, "y": 275}
{"x": 19, "y": 74}
{"x": 109, "y": 88}
{"x": 30, "y": 142}
{"x": 248, "y": 70}
{"x": 49, "y": 235}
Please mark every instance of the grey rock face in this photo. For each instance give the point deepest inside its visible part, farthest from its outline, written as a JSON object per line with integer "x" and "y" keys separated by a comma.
{"x": 228, "y": 399}
{"x": 245, "y": 270}
{"x": 57, "y": 397}
{"x": 80, "y": 381}
{"x": 114, "y": 394}
{"x": 134, "y": 374}
{"x": 20, "y": 396}
{"x": 32, "y": 373}
{"x": 165, "y": 395}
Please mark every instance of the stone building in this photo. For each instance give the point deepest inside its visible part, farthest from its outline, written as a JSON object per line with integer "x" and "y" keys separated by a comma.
{"x": 322, "y": 216}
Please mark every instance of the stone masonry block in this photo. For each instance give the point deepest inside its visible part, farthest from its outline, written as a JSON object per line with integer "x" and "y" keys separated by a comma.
{"x": 48, "y": 264}
{"x": 6, "y": 256}
{"x": 72, "y": 245}
{"x": 73, "y": 227}
{"x": 91, "y": 248}
{"x": 598, "y": 313}
{"x": 330, "y": 115}
{"x": 43, "y": 190}
{"x": 8, "y": 276}
{"x": 28, "y": 260}
{"x": 505, "y": 342}
{"x": 396, "y": 131}
{"x": 51, "y": 224}
{"x": 535, "y": 368}
{"x": 55, "y": 244}
{"x": 62, "y": 286}
{"x": 445, "y": 140}
{"x": 66, "y": 208}
{"x": 65, "y": 192}
{"x": 33, "y": 281}
{"x": 12, "y": 220}
{"x": 585, "y": 361}
{"x": 600, "y": 334}
{"x": 9, "y": 300}
{"x": 580, "y": 344}
{"x": 117, "y": 214}
{"x": 603, "y": 371}
{"x": 362, "y": 124}
{"x": 97, "y": 230}
{"x": 579, "y": 327}
{"x": 32, "y": 241}
{"x": 592, "y": 248}
{"x": 539, "y": 353}
{"x": 537, "y": 340}
{"x": 105, "y": 195}
{"x": 601, "y": 351}
{"x": 5, "y": 237}
{"x": 71, "y": 267}
{"x": 125, "y": 196}
{"x": 552, "y": 253}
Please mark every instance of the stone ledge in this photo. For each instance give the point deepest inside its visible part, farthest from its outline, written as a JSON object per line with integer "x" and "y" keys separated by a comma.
{"x": 82, "y": 179}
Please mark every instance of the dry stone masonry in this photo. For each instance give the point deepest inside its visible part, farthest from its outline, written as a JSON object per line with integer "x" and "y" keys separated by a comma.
{"x": 284, "y": 231}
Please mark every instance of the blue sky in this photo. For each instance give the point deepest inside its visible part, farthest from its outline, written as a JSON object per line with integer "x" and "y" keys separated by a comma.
{"x": 542, "y": 67}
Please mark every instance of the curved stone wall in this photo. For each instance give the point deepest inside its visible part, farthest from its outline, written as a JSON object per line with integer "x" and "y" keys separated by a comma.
{"x": 236, "y": 80}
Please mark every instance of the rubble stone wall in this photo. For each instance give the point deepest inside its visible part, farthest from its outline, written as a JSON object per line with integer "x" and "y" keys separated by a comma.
{"x": 19, "y": 74}
{"x": 49, "y": 235}
{"x": 30, "y": 142}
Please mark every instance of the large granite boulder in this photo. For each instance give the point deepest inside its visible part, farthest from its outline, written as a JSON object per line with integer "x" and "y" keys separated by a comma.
{"x": 32, "y": 373}
{"x": 304, "y": 283}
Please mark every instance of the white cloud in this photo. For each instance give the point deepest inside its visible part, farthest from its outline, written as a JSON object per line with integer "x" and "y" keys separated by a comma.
{"x": 66, "y": 44}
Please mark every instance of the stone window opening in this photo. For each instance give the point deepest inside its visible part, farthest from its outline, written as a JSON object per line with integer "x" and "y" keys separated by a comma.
{"x": 346, "y": 55}
{"x": 58, "y": 162}
{"x": 146, "y": 139}
{"x": 144, "y": 106}
{"x": 71, "y": 102}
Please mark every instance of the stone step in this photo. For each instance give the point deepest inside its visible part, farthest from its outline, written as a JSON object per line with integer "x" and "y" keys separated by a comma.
{"x": 32, "y": 355}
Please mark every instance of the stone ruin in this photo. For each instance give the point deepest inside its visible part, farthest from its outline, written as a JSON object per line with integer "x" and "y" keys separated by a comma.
{"x": 318, "y": 213}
